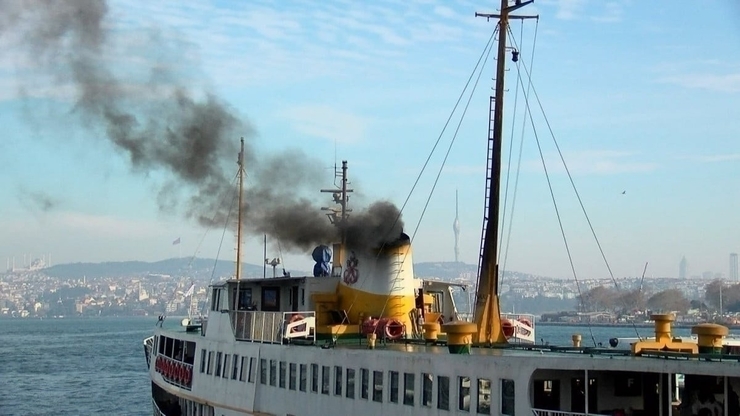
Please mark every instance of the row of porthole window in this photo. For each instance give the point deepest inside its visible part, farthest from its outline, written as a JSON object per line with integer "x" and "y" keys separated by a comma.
{"x": 294, "y": 376}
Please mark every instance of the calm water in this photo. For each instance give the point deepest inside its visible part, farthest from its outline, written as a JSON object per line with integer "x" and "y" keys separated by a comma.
{"x": 96, "y": 366}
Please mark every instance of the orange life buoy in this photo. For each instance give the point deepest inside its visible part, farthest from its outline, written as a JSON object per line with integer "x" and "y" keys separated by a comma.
{"x": 507, "y": 327}
{"x": 394, "y": 329}
{"x": 295, "y": 318}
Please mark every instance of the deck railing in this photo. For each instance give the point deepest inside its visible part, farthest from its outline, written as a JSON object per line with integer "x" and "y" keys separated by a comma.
{"x": 174, "y": 372}
{"x": 543, "y": 412}
{"x": 271, "y": 327}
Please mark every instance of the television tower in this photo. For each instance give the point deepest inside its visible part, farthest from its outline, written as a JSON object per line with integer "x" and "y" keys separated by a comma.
{"x": 456, "y": 229}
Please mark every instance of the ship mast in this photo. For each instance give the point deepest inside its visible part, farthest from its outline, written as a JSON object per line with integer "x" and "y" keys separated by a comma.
{"x": 487, "y": 309}
{"x": 240, "y": 162}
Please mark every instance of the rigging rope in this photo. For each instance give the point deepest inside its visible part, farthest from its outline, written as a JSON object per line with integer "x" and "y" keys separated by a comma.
{"x": 484, "y": 54}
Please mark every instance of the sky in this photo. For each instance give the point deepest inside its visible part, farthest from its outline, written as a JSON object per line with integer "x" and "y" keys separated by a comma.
{"x": 642, "y": 99}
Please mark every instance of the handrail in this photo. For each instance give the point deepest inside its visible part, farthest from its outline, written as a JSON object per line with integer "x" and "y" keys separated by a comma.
{"x": 175, "y": 372}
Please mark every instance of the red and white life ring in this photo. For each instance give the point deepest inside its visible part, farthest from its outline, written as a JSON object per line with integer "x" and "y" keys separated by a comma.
{"x": 394, "y": 329}
{"x": 295, "y": 318}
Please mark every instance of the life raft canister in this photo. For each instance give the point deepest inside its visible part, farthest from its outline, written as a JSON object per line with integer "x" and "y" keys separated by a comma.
{"x": 295, "y": 318}
{"x": 394, "y": 329}
{"x": 507, "y": 327}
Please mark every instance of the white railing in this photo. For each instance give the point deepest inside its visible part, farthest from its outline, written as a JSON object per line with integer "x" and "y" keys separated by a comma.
{"x": 174, "y": 372}
{"x": 542, "y": 412}
{"x": 155, "y": 409}
{"x": 273, "y": 327}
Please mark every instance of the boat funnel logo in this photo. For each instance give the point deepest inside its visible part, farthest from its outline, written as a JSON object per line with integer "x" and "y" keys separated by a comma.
{"x": 351, "y": 273}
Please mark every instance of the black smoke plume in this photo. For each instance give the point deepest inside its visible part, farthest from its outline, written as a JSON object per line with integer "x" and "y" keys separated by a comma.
{"x": 160, "y": 125}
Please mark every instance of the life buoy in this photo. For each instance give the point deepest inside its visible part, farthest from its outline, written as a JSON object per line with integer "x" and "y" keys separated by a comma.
{"x": 394, "y": 329}
{"x": 524, "y": 331}
{"x": 188, "y": 376}
{"x": 295, "y": 318}
{"x": 507, "y": 327}
{"x": 168, "y": 372}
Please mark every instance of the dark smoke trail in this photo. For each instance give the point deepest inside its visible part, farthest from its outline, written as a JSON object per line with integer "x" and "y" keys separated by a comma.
{"x": 165, "y": 128}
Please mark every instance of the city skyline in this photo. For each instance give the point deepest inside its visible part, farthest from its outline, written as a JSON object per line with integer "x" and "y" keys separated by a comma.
{"x": 625, "y": 92}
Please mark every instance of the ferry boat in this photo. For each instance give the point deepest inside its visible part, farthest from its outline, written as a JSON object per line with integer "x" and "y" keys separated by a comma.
{"x": 362, "y": 335}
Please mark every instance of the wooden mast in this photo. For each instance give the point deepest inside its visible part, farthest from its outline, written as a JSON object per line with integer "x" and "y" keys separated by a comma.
{"x": 240, "y": 162}
{"x": 487, "y": 309}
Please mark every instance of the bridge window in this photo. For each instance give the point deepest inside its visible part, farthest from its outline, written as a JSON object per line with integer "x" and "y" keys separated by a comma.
{"x": 378, "y": 386}
{"x": 463, "y": 393}
{"x": 393, "y": 375}
{"x": 314, "y": 378}
{"x": 325, "y": 379}
{"x": 350, "y": 393}
{"x": 227, "y": 365}
{"x": 203, "y": 360}
{"x": 337, "y": 380}
{"x": 303, "y": 377}
{"x": 409, "y": 383}
{"x": 216, "y": 300}
{"x": 426, "y": 389}
{"x": 283, "y": 369}
{"x": 218, "y": 364}
{"x": 291, "y": 376}
{"x": 484, "y": 396}
{"x": 364, "y": 382}
{"x": 273, "y": 372}
{"x": 507, "y": 397}
{"x": 443, "y": 393}
{"x": 547, "y": 394}
{"x": 263, "y": 371}
{"x": 210, "y": 362}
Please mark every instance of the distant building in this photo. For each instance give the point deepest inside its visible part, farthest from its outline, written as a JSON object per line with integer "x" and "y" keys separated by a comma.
{"x": 683, "y": 268}
{"x": 733, "y": 267}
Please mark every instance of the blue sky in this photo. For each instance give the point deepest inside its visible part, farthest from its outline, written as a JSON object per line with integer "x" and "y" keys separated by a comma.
{"x": 642, "y": 97}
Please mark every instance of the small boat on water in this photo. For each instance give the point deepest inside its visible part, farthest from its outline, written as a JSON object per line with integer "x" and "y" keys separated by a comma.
{"x": 362, "y": 335}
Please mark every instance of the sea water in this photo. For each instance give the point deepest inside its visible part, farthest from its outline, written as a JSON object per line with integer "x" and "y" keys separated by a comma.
{"x": 96, "y": 366}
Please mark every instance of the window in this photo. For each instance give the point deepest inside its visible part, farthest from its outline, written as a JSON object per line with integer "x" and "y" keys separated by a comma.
{"x": 443, "y": 393}
{"x": 252, "y": 369}
{"x": 273, "y": 372}
{"x": 291, "y": 376}
{"x": 216, "y": 299}
{"x": 303, "y": 377}
{"x": 364, "y": 381}
{"x": 235, "y": 368}
{"x": 507, "y": 397}
{"x": 484, "y": 396}
{"x": 350, "y": 393}
{"x": 244, "y": 301}
{"x": 394, "y": 386}
{"x": 271, "y": 299}
{"x": 283, "y": 369}
{"x": 243, "y": 371}
{"x": 227, "y": 365}
{"x": 218, "y": 364}
{"x": 314, "y": 378}
{"x": 378, "y": 386}
{"x": 463, "y": 396}
{"x": 325, "y": 379}
{"x": 263, "y": 371}
{"x": 337, "y": 380}
{"x": 408, "y": 389}
{"x": 426, "y": 389}
{"x": 203, "y": 361}
{"x": 210, "y": 362}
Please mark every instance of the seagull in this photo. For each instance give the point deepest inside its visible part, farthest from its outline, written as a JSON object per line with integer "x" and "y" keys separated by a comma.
{"x": 624, "y": 192}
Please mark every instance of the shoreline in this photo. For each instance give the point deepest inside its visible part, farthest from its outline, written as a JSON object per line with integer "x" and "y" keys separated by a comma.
{"x": 624, "y": 324}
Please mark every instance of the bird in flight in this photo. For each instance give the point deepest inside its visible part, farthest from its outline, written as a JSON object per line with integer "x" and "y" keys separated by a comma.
{"x": 624, "y": 192}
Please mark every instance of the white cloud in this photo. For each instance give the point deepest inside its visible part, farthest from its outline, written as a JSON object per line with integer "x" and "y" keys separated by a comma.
{"x": 326, "y": 122}
{"x": 713, "y": 82}
{"x": 714, "y": 158}
{"x": 599, "y": 162}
